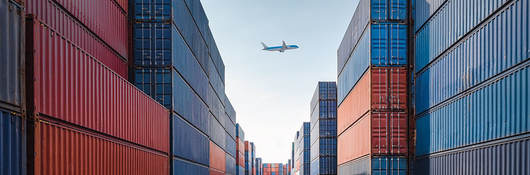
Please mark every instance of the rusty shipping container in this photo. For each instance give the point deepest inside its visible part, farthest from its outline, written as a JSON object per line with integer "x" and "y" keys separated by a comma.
{"x": 73, "y": 86}
{"x": 55, "y": 17}
{"x": 60, "y": 148}
{"x": 104, "y": 18}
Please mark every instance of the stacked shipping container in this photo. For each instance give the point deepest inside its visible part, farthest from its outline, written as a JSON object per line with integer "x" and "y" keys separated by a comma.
{"x": 372, "y": 90}
{"x": 471, "y": 85}
{"x": 240, "y": 152}
{"x": 250, "y": 158}
{"x": 272, "y": 169}
{"x": 324, "y": 129}
{"x": 259, "y": 166}
{"x": 302, "y": 150}
{"x": 177, "y": 62}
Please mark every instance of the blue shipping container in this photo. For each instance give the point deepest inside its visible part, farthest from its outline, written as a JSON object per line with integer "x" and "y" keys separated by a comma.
{"x": 188, "y": 142}
{"x": 12, "y": 143}
{"x": 495, "y": 109}
{"x": 499, "y": 44}
{"x": 217, "y": 133}
{"x": 230, "y": 146}
{"x": 358, "y": 166}
{"x": 11, "y": 53}
{"x": 180, "y": 166}
{"x": 230, "y": 165}
{"x": 505, "y": 156}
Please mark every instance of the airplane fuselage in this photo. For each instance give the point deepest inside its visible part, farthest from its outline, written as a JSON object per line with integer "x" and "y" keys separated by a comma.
{"x": 281, "y": 48}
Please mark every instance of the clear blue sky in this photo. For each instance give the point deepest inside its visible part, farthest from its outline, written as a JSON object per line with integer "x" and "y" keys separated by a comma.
{"x": 271, "y": 91}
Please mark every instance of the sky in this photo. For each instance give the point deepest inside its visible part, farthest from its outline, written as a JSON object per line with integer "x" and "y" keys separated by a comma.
{"x": 271, "y": 91}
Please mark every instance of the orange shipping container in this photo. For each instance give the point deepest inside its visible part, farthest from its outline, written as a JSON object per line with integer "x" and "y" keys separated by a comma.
{"x": 65, "y": 149}
{"x": 217, "y": 158}
{"x": 355, "y": 141}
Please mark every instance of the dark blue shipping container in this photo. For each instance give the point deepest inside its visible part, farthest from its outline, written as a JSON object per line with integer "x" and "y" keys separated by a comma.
{"x": 230, "y": 146}
{"x": 11, "y": 53}
{"x": 189, "y": 143}
{"x": 239, "y": 132}
{"x": 180, "y": 166}
{"x": 323, "y": 135}
{"x": 161, "y": 84}
{"x": 495, "y": 109}
{"x": 423, "y": 9}
{"x": 464, "y": 16}
{"x": 499, "y": 44}
{"x": 230, "y": 165}
{"x": 505, "y": 156}
{"x": 217, "y": 133}
{"x": 375, "y": 166}
{"x": 230, "y": 128}
{"x": 12, "y": 143}
{"x": 230, "y": 111}
{"x": 382, "y": 44}
{"x": 240, "y": 170}
{"x": 358, "y": 166}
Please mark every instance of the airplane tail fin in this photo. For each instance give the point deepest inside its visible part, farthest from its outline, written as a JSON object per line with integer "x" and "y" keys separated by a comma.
{"x": 264, "y": 46}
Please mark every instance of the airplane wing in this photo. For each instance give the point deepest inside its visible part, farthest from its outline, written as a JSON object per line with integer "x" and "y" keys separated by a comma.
{"x": 264, "y": 46}
{"x": 284, "y": 46}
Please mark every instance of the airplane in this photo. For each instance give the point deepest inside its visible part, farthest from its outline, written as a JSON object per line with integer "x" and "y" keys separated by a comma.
{"x": 282, "y": 48}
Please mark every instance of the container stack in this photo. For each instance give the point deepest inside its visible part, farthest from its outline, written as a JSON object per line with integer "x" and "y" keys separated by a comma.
{"x": 177, "y": 62}
{"x": 302, "y": 148}
{"x": 372, "y": 93}
{"x": 271, "y": 168}
{"x": 472, "y": 87}
{"x": 79, "y": 113}
{"x": 249, "y": 158}
{"x": 253, "y": 158}
{"x": 288, "y": 166}
{"x": 240, "y": 150}
{"x": 324, "y": 129}
{"x": 12, "y": 85}
{"x": 259, "y": 166}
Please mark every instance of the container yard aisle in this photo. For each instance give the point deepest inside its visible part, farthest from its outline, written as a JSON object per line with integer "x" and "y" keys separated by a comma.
{"x": 419, "y": 87}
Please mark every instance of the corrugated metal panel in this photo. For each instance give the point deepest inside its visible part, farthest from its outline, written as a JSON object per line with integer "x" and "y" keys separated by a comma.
{"x": 101, "y": 101}
{"x": 11, "y": 53}
{"x": 463, "y": 16}
{"x": 230, "y": 165}
{"x": 497, "y": 108}
{"x": 240, "y": 133}
{"x": 353, "y": 70}
{"x": 424, "y": 9}
{"x": 185, "y": 167}
{"x": 500, "y": 44}
{"x": 217, "y": 133}
{"x": 217, "y": 158}
{"x": 161, "y": 45}
{"x": 359, "y": 135}
{"x": 216, "y": 172}
{"x": 389, "y": 165}
{"x": 389, "y": 9}
{"x": 87, "y": 152}
{"x": 12, "y": 143}
{"x": 230, "y": 147}
{"x": 60, "y": 21}
{"x": 355, "y": 30}
{"x": 124, "y": 4}
{"x": 230, "y": 128}
{"x": 188, "y": 142}
{"x": 355, "y": 167}
{"x": 104, "y": 18}
{"x": 356, "y": 104}
{"x": 506, "y": 156}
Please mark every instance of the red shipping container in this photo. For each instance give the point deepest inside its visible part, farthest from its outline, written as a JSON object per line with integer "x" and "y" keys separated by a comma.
{"x": 217, "y": 158}
{"x": 65, "y": 149}
{"x": 216, "y": 172}
{"x": 379, "y": 89}
{"x": 376, "y": 133}
{"x": 124, "y": 4}
{"x": 71, "y": 85}
{"x": 61, "y": 22}
{"x": 247, "y": 146}
{"x": 103, "y": 17}
{"x": 240, "y": 153}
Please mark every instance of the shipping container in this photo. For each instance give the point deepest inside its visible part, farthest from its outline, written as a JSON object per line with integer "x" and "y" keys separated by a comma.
{"x": 217, "y": 133}
{"x": 495, "y": 109}
{"x": 379, "y": 89}
{"x": 381, "y": 45}
{"x": 504, "y": 156}
{"x": 499, "y": 44}
{"x": 230, "y": 165}
{"x": 102, "y": 100}
{"x": 323, "y": 135}
{"x": 189, "y": 143}
{"x": 12, "y": 143}
{"x": 169, "y": 88}
{"x": 241, "y": 153}
{"x": 230, "y": 146}
{"x": 181, "y": 166}
{"x": 53, "y": 16}
{"x": 11, "y": 55}
{"x": 302, "y": 147}
{"x": 375, "y": 165}
{"x": 217, "y": 158}
{"x": 57, "y": 143}
{"x": 102, "y": 17}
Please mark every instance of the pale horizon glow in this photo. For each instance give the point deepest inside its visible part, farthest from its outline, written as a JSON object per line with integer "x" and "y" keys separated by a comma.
{"x": 271, "y": 91}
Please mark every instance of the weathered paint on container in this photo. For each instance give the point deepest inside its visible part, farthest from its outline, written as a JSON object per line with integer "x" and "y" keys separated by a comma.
{"x": 495, "y": 109}
{"x": 188, "y": 142}
{"x": 499, "y": 44}
{"x": 101, "y": 100}
{"x": 11, "y": 54}
{"x": 181, "y": 166}
{"x": 217, "y": 158}
{"x": 12, "y": 143}
{"x": 505, "y": 156}
{"x": 58, "y": 20}
{"x": 102, "y": 17}
{"x": 65, "y": 149}
{"x": 379, "y": 89}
